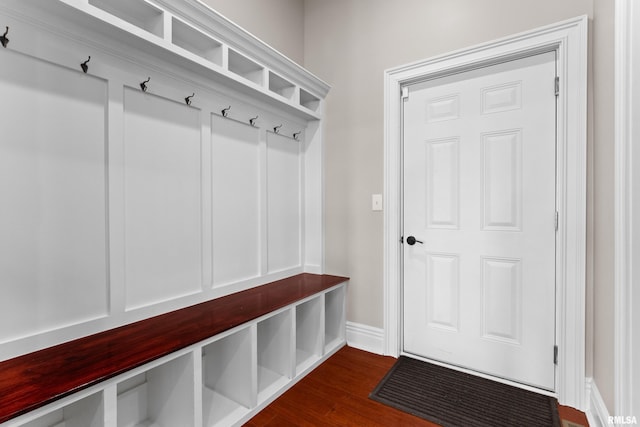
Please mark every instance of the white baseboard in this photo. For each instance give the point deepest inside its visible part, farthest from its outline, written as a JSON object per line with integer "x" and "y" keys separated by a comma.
{"x": 365, "y": 337}
{"x": 597, "y": 412}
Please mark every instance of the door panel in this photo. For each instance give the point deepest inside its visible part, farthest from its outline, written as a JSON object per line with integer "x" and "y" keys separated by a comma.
{"x": 479, "y": 196}
{"x": 442, "y": 183}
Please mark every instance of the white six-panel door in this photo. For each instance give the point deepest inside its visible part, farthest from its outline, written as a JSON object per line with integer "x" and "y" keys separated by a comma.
{"x": 480, "y": 202}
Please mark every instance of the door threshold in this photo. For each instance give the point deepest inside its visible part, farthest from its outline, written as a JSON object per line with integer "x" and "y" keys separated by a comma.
{"x": 482, "y": 375}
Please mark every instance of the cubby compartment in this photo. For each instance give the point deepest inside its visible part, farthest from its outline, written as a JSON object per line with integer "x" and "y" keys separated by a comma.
{"x": 196, "y": 42}
{"x": 309, "y": 101}
{"x": 160, "y": 397}
{"x": 137, "y": 12}
{"x": 86, "y": 412}
{"x": 275, "y": 368}
{"x": 308, "y": 334}
{"x": 334, "y": 318}
{"x": 246, "y": 68}
{"x": 281, "y": 86}
{"x": 228, "y": 380}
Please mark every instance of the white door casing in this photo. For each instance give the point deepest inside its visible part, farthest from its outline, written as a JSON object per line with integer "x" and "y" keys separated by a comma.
{"x": 479, "y": 193}
{"x": 569, "y": 38}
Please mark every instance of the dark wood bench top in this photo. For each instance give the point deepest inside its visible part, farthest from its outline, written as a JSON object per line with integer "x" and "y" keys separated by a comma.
{"x": 36, "y": 379}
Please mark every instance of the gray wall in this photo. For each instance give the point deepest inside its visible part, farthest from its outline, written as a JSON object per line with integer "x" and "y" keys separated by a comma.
{"x": 279, "y": 23}
{"x": 601, "y": 312}
{"x": 349, "y": 44}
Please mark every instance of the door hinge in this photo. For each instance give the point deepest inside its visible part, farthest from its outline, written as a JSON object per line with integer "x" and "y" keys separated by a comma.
{"x": 404, "y": 92}
{"x": 555, "y": 354}
{"x": 557, "y": 85}
{"x": 557, "y": 220}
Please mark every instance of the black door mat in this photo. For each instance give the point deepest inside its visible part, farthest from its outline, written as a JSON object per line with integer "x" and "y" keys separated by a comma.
{"x": 457, "y": 399}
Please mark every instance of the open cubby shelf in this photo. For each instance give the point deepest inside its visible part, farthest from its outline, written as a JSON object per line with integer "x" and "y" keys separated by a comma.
{"x": 227, "y": 378}
{"x": 334, "y": 319}
{"x": 274, "y": 364}
{"x": 86, "y": 412}
{"x": 188, "y": 38}
{"x": 248, "y": 347}
{"x": 150, "y": 18}
{"x": 281, "y": 86}
{"x": 308, "y": 341}
{"x": 139, "y": 13}
{"x": 245, "y": 68}
{"x": 197, "y": 38}
{"x": 158, "y": 396}
{"x": 309, "y": 100}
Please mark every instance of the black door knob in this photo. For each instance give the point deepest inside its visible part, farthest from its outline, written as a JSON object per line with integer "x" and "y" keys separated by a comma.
{"x": 412, "y": 241}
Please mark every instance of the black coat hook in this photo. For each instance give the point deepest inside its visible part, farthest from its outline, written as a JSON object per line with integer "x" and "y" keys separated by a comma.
{"x": 143, "y": 85}
{"x": 3, "y": 38}
{"x": 225, "y": 111}
{"x": 296, "y": 135}
{"x": 252, "y": 121}
{"x": 187, "y": 100}
{"x": 277, "y": 129}
{"x": 84, "y": 65}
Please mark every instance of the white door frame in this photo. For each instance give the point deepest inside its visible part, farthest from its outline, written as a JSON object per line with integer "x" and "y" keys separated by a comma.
{"x": 569, "y": 39}
{"x": 627, "y": 196}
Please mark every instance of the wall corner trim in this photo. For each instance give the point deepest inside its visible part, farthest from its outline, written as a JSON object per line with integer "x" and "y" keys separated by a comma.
{"x": 627, "y": 41}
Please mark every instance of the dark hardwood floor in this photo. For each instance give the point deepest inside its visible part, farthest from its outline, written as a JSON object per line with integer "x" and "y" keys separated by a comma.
{"x": 336, "y": 394}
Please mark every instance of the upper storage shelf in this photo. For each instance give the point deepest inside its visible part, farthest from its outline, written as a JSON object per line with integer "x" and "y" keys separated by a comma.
{"x": 137, "y": 12}
{"x": 185, "y": 36}
{"x": 244, "y": 67}
{"x": 191, "y": 35}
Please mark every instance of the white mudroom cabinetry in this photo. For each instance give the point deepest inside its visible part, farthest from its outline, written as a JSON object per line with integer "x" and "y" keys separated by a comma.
{"x": 155, "y": 157}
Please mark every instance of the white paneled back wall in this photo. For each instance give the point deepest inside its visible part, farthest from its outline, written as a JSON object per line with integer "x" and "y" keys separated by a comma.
{"x": 237, "y": 200}
{"x": 53, "y": 227}
{"x": 119, "y": 204}
{"x": 284, "y": 210}
{"x": 162, "y": 192}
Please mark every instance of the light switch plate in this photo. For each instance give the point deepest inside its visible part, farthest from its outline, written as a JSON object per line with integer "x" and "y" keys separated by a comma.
{"x": 376, "y": 202}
